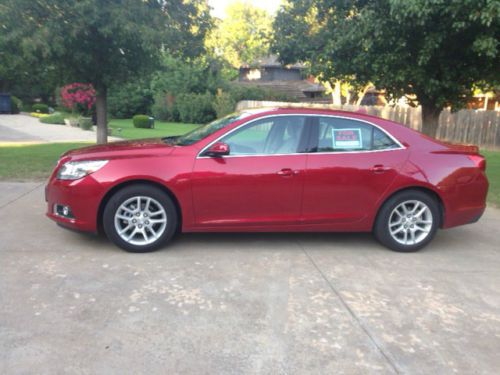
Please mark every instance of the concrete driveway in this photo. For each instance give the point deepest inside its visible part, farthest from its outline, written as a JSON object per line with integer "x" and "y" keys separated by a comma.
{"x": 252, "y": 303}
{"x": 24, "y": 128}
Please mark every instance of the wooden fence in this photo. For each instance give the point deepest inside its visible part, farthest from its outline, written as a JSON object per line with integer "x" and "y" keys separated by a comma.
{"x": 477, "y": 127}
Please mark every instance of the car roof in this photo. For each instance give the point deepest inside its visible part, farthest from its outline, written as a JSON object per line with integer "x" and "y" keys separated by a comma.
{"x": 307, "y": 110}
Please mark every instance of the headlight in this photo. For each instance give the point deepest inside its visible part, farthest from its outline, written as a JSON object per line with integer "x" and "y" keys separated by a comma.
{"x": 73, "y": 170}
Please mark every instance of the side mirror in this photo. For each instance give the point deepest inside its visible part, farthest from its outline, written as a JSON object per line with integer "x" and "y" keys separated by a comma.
{"x": 218, "y": 149}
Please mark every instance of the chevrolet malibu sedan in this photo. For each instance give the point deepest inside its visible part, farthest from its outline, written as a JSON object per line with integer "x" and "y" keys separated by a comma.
{"x": 272, "y": 170}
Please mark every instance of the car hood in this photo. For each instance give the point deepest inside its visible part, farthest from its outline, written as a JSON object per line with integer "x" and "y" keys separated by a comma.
{"x": 136, "y": 147}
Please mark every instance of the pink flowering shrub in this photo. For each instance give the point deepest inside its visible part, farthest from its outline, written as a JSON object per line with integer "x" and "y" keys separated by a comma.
{"x": 78, "y": 97}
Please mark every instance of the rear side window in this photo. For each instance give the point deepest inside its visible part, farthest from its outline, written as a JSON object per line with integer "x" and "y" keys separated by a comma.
{"x": 341, "y": 135}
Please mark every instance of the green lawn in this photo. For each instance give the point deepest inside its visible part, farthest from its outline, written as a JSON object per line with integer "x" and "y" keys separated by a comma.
{"x": 21, "y": 162}
{"x": 493, "y": 173}
{"x": 125, "y": 128}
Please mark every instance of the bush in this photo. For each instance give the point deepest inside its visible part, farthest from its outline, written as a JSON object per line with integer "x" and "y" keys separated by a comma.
{"x": 195, "y": 108}
{"x": 128, "y": 99}
{"x": 40, "y": 108}
{"x": 16, "y": 104}
{"x": 164, "y": 108}
{"x": 38, "y": 114}
{"x": 79, "y": 97}
{"x": 55, "y": 118}
{"x": 85, "y": 123}
{"x": 224, "y": 104}
{"x": 141, "y": 121}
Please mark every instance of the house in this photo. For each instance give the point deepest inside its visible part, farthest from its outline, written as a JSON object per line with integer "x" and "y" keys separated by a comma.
{"x": 289, "y": 80}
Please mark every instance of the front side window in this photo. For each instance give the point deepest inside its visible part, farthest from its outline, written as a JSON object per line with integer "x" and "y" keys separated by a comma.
{"x": 268, "y": 136}
{"x": 341, "y": 135}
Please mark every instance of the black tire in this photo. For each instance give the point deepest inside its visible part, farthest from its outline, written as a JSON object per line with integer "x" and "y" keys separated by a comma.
{"x": 143, "y": 190}
{"x": 381, "y": 228}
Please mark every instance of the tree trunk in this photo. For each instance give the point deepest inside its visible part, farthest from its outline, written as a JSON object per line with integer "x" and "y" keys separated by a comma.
{"x": 101, "y": 106}
{"x": 430, "y": 119}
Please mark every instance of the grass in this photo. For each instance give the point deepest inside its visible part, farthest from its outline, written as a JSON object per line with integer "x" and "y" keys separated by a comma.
{"x": 161, "y": 129}
{"x": 28, "y": 161}
{"x": 493, "y": 173}
{"x": 24, "y": 162}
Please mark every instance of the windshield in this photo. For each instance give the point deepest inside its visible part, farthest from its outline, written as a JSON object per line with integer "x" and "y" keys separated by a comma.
{"x": 203, "y": 131}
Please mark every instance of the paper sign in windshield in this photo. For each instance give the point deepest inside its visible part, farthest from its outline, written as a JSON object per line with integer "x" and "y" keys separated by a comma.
{"x": 347, "y": 138}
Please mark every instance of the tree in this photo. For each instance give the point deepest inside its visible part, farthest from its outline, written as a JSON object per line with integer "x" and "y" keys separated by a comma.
{"x": 243, "y": 36}
{"x": 433, "y": 50}
{"x": 104, "y": 42}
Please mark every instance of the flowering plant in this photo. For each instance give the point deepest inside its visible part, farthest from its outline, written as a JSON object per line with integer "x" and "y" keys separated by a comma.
{"x": 79, "y": 97}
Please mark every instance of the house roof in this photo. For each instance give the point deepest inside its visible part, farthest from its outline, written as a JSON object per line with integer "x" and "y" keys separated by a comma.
{"x": 293, "y": 89}
{"x": 271, "y": 61}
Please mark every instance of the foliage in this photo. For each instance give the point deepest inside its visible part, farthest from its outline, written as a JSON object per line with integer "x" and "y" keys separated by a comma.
{"x": 243, "y": 36}
{"x": 225, "y": 101}
{"x": 195, "y": 108}
{"x": 16, "y": 104}
{"x": 78, "y": 97}
{"x": 40, "y": 108}
{"x": 38, "y": 114}
{"x": 176, "y": 75}
{"x": 183, "y": 76}
{"x": 127, "y": 99}
{"x": 141, "y": 121}
{"x": 104, "y": 42}
{"x": 55, "y": 118}
{"x": 164, "y": 108}
{"x": 435, "y": 50}
{"x": 85, "y": 123}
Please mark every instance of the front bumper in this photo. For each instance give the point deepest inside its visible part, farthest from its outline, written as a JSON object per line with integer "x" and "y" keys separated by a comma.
{"x": 82, "y": 196}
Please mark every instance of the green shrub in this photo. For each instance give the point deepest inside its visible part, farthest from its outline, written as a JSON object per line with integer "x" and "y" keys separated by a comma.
{"x": 224, "y": 104}
{"x": 55, "y": 118}
{"x": 141, "y": 121}
{"x": 40, "y": 108}
{"x": 16, "y": 104}
{"x": 195, "y": 108}
{"x": 225, "y": 101}
{"x": 85, "y": 123}
{"x": 128, "y": 99}
{"x": 164, "y": 108}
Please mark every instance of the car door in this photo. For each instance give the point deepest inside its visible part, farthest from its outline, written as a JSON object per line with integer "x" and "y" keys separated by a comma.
{"x": 353, "y": 164}
{"x": 260, "y": 182}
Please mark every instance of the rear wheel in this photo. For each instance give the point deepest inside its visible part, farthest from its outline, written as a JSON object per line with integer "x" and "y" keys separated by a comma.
{"x": 140, "y": 218}
{"x": 408, "y": 221}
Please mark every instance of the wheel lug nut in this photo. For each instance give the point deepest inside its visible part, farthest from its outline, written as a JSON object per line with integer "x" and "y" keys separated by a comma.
{"x": 134, "y": 221}
{"x": 140, "y": 226}
{"x": 147, "y": 222}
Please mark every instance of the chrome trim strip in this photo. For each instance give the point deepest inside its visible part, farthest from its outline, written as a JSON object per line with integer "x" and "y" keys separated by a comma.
{"x": 401, "y": 146}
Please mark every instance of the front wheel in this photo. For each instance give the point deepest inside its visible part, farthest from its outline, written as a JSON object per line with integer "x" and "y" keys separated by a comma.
{"x": 408, "y": 221}
{"x": 140, "y": 218}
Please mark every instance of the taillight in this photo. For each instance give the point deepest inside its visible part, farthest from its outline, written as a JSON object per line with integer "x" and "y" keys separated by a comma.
{"x": 479, "y": 161}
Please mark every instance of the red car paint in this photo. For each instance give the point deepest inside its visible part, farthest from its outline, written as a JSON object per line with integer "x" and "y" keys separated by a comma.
{"x": 307, "y": 191}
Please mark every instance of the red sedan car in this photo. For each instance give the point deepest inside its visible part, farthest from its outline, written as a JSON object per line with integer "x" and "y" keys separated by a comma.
{"x": 306, "y": 170}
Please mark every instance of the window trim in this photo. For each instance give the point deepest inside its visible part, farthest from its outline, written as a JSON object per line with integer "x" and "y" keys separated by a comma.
{"x": 396, "y": 141}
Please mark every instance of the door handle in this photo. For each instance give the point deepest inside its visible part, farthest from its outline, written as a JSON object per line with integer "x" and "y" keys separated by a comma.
{"x": 287, "y": 172}
{"x": 379, "y": 168}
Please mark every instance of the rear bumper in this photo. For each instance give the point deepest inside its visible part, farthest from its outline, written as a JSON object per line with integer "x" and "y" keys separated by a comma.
{"x": 463, "y": 216}
{"x": 81, "y": 196}
{"x": 466, "y": 203}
